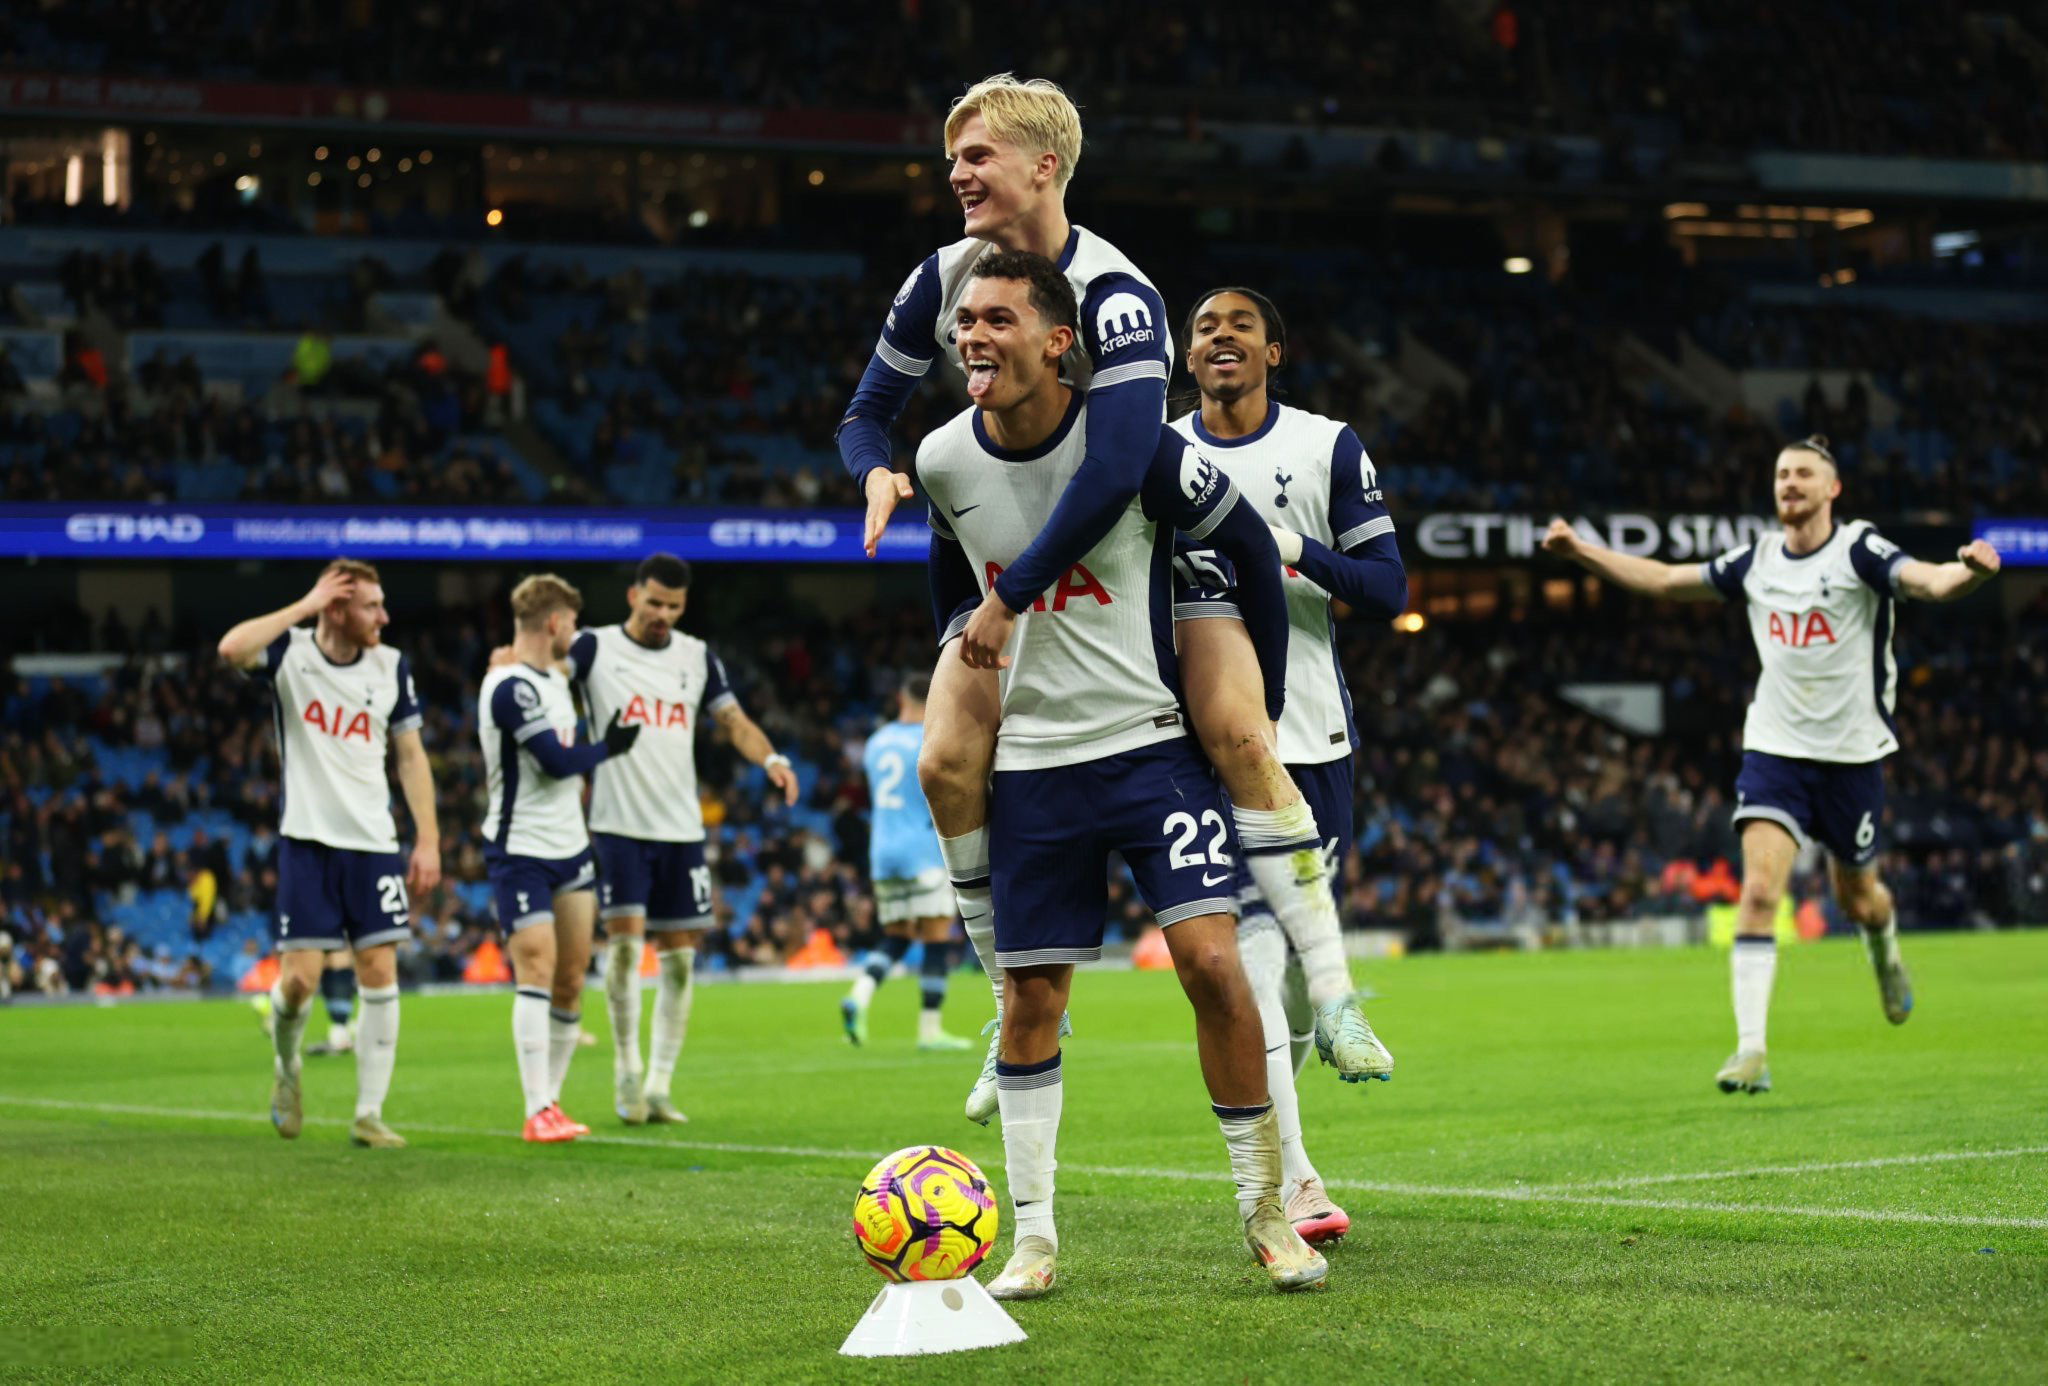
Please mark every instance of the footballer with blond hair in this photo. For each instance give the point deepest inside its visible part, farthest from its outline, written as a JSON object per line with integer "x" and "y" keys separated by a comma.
{"x": 1013, "y": 146}
{"x": 536, "y": 849}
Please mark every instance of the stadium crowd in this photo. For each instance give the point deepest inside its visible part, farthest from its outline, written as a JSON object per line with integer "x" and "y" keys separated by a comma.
{"x": 1887, "y": 77}
{"x": 1485, "y": 802}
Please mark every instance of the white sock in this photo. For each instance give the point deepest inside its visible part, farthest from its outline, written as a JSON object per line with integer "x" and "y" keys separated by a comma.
{"x": 1284, "y": 854}
{"x": 1029, "y": 1098}
{"x": 1263, "y": 952}
{"x": 967, "y": 863}
{"x": 1301, "y": 1016}
{"x": 563, "y": 1030}
{"x": 288, "y": 1027}
{"x": 864, "y": 985}
{"x": 927, "y": 1026}
{"x": 622, "y": 1001}
{"x": 376, "y": 1048}
{"x": 671, "y": 1017}
{"x": 1753, "y": 962}
{"x": 530, "y": 1041}
{"x": 1253, "y": 1138}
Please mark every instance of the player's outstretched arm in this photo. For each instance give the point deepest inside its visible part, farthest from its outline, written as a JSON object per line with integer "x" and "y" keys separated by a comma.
{"x": 1684, "y": 582}
{"x": 416, "y": 780}
{"x": 243, "y": 646}
{"x": 753, "y": 743}
{"x": 1976, "y": 563}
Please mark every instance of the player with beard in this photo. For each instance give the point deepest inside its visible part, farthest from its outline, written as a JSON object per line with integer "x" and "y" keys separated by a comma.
{"x": 343, "y": 700}
{"x": 1820, "y": 596}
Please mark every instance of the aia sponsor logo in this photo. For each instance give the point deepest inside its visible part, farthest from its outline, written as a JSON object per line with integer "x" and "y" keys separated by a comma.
{"x": 1797, "y": 631}
{"x": 337, "y": 722}
{"x": 655, "y": 712}
{"x": 1077, "y": 583}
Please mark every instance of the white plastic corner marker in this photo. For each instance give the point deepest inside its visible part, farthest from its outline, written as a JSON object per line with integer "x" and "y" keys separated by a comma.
{"x": 929, "y": 1316}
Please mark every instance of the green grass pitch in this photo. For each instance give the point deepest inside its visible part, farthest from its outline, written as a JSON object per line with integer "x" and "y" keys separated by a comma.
{"x": 1551, "y": 1189}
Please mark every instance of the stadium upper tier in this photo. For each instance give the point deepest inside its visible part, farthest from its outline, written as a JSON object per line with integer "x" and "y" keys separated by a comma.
{"x": 1884, "y": 77}
{"x": 316, "y": 370}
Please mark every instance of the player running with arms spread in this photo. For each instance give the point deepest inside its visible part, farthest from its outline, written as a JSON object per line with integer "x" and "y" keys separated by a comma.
{"x": 1310, "y": 479}
{"x": 1094, "y": 758}
{"x": 343, "y": 699}
{"x": 647, "y": 822}
{"x": 1820, "y": 597}
{"x": 536, "y": 849}
{"x": 1013, "y": 147}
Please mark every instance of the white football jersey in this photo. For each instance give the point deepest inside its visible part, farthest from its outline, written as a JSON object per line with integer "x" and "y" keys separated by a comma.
{"x": 1308, "y": 474}
{"x": 1092, "y": 668}
{"x": 1124, "y": 333}
{"x": 530, "y": 812}
{"x": 652, "y": 793}
{"x": 334, "y": 725}
{"x": 1823, "y": 628}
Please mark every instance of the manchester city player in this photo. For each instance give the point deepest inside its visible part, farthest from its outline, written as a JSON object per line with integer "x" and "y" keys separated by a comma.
{"x": 913, "y": 897}
{"x": 343, "y": 698}
{"x": 1820, "y": 596}
{"x": 1094, "y": 757}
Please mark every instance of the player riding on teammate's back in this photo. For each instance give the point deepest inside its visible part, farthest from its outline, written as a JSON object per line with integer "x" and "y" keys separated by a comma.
{"x": 1013, "y": 147}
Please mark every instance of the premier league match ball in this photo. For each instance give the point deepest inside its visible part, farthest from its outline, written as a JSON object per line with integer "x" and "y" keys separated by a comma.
{"x": 924, "y": 1213}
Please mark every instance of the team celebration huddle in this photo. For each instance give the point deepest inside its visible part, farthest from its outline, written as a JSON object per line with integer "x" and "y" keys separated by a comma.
{"x": 1134, "y": 608}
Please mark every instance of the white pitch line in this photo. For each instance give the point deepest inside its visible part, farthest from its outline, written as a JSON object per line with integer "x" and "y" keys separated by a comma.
{"x": 1530, "y": 1194}
{"x": 1938, "y": 1157}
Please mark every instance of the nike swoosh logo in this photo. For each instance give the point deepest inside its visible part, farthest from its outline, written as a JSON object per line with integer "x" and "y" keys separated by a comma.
{"x": 1217, "y": 880}
{"x": 965, "y": 508}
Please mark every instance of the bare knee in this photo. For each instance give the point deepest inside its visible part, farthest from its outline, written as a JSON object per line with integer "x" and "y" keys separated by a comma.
{"x": 1863, "y": 898}
{"x": 1210, "y": 973}
{"x": 297, "y": 990}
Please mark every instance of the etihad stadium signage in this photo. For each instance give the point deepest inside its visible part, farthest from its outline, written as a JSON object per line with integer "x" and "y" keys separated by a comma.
{"x": 1497, "y": 537}
{"x": 560, "y": 535}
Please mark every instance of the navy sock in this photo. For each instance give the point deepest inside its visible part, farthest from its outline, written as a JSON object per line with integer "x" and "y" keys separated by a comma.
{"x": 931, "y": 977}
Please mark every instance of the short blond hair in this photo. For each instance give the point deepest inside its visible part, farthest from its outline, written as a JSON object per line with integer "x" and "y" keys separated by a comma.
{"x": 1034, "y": 115}
{"x": 352, "y": 567}
{"x": 540, "y": 596}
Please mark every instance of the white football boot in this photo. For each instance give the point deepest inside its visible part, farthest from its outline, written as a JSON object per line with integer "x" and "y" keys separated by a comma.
{"x": 1745, "y": 1071}
{"x": 1291, "y": 1262}
{"x": 1028, "y": 1273}
{"x": 1345, "y": 1040}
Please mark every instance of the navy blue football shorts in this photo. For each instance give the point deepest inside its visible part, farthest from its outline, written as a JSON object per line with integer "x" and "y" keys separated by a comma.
{"x": 336, "y": 897}
{"x": 1051, "y": 834}
{"x": 524, "y": 888}
{"x": 1839, "y": 806}
{"x": 667, "y": 883}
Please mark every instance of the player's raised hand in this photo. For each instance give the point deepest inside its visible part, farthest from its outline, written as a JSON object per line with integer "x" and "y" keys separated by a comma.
{"x": 885, "y": 489}
{"x": 1561, "y": 539}
{"x": 423, "y": 871}
{"x": 1980, "y": 558}
{"x": 333, "y": 586}
{"x": 988, "y": 630}
{"x": 782, "y": 777}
